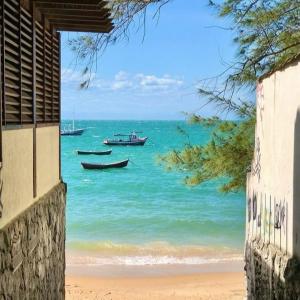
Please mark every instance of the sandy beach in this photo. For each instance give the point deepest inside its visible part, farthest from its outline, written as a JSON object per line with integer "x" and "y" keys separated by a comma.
{"x": 201, "y": 286}
{"x": 208, "y": 281}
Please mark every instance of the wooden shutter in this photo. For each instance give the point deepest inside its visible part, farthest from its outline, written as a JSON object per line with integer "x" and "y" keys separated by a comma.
{"x": 40, "y": 73}
{"x": 1, "y": 57}
{"x": 1, "y": 81}
{"x": 17, "y": 49}
{"x": 26, "y": 67}
{"x": 47, "y": 76}
{"x": 56, "y": 80}
{"x": 12, "y": 63}
{"x": 18, "y": 60}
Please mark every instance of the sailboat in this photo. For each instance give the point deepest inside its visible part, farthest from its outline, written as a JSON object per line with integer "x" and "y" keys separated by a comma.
{"x": 72, "y": 131}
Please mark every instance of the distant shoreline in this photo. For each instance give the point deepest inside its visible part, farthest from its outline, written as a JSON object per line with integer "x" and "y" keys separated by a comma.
{"x": 126, "y": 120}
{"x": 131, "y": 120}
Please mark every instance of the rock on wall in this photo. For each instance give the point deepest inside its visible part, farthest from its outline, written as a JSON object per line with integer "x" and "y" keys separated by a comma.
{"x": 271, "y": 274}
{"x": 32, "y": 250}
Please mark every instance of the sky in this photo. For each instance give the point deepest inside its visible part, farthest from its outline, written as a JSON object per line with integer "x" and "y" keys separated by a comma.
{"x": 154, "y": 78}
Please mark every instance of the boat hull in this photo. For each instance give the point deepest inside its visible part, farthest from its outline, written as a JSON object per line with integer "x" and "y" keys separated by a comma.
{"x": 72, "y": 132}
{"x": 90, "y": 166}
{"x": 108, "y": 152}
{"x": 125, "y": 143}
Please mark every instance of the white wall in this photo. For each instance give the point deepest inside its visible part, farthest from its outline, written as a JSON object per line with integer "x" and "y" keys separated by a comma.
{"x": 276, "y": 162}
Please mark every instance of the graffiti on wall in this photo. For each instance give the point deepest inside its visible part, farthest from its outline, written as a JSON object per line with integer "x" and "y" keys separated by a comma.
{"x": 267, "y": 221}
{"x": 260, "y": 93}
{"x": 249, "y": 209}
{"x": 260, "y": 96}
{"x": 259, "y": 220}
{"x": 254, "y": 207}
{"x": 279, "y": 216}
{"x": 256, "y": 167}
{"x": 268, "y": 218}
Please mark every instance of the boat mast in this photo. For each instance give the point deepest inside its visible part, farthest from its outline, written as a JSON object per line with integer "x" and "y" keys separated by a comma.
{"x": 73, "y": 117}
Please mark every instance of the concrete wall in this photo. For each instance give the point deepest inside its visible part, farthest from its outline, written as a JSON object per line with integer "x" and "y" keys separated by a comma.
{"x": 271, "y": 180}
{"x": 47, "y": 158}
{"x": 17, "y": 171}
{"x": 273, "y": 189}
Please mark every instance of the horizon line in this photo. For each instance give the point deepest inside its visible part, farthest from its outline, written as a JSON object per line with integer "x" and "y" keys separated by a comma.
{"x": 137, "y": 120}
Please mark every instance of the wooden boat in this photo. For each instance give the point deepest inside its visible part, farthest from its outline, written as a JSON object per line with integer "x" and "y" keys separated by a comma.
{"x": 107, "y": 152}
{"x": 92, "y": 166}
{"x": 133, "y": 140}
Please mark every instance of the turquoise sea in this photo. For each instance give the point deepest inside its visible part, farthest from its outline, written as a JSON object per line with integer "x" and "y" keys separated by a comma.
{"x": 142, "y": 213}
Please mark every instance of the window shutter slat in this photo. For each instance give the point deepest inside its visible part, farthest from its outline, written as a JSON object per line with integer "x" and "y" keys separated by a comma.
{"x": 19, "y": 86}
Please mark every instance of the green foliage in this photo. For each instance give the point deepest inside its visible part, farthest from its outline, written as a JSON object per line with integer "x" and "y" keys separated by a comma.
{"x": 267, "y": 37}
{"x": 227, "y": 155}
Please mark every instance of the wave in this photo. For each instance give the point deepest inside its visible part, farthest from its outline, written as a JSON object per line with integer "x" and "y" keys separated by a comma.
{"x": 158, "y": 253}
{"x": 144, "y": 260}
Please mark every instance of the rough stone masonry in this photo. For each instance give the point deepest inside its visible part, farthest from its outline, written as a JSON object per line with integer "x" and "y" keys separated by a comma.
{"x": 32, "y": 250}
{"x": 271, "y": 274}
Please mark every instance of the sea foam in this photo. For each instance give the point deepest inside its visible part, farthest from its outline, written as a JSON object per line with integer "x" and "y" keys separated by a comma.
{"x": 145, "y": 260}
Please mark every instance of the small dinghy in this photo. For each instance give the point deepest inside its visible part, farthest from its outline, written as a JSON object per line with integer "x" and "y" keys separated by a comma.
{"x": 107, "y": 152}
{"x": 119, "y": 164}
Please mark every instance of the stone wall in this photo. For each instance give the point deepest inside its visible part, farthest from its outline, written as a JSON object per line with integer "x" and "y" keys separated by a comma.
{"x": 32, "y": 250}
{"x": 271, "y": 274}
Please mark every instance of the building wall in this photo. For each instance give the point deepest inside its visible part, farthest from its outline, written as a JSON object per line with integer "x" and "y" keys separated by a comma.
{"x": 32, "y": 198}
{"x": 273, "y": 189}
{"x": 17, "y": 174}
{"x": 47, "y": 158}
{"x": 32, "y": 250}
